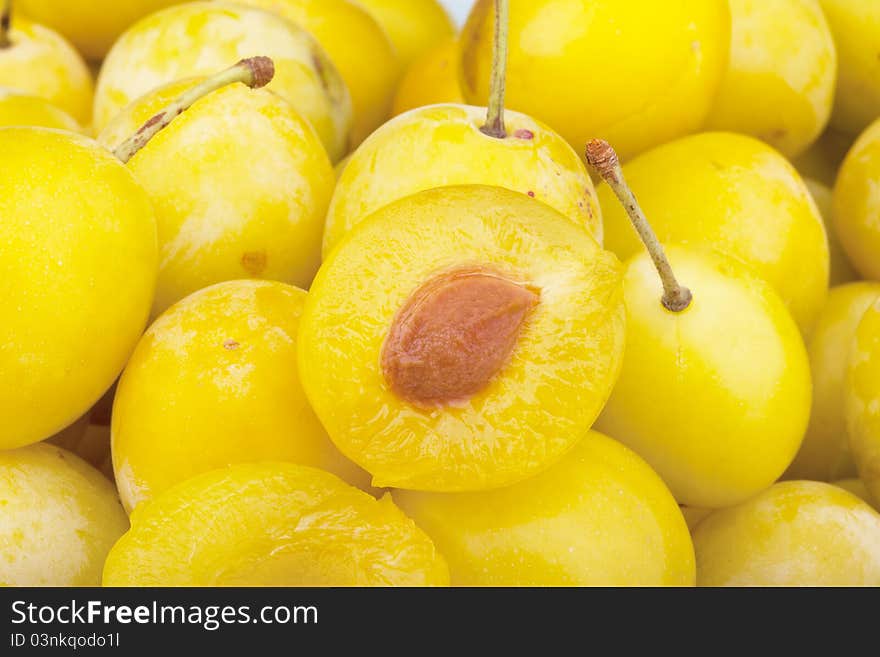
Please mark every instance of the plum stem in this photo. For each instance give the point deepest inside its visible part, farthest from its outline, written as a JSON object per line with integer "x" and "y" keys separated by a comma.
{"x": 5, "y": 23}
{"x": 602, "y": 157}
{"x": 255, "y": 72}
{"x": 495, "y": 113}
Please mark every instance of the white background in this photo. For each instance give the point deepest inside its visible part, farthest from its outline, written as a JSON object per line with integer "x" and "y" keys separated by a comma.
{"x": 458, "y": 9}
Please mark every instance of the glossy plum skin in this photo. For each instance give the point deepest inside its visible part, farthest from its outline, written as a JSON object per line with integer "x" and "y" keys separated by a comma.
{"x": 77, "y": 274}
{"x": 430, "y": 80}
{"x": 779, "y": 94}
{"x": 40, "y": 62}
{"x": 201, "y": 38}
{"x": 796, "y": 533}
{"x": 734, "y": 183}
{"x": 598, "y": 517}
{"x": 862, "y": 390}
{"x": 825, "y": 454}
{"x": 442, "y": 145}
{"x": 584, "y": 55}
{"x": 856, "y": 206}
{"x": 60, "y": 518}
{"x": 18, "y": 109}
{"x": 414, "y": 26}
{"x": 347, "y": 32}
{"x": 214, "y": 382}
{"x": 240, "y": 184}
{"x": 91, "y": 25}
{"x": 855, "y": 25}
{"x": 733, "y": 407}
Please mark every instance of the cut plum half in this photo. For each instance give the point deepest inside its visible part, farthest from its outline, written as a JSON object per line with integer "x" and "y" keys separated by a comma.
{"x": 462, "y": 338}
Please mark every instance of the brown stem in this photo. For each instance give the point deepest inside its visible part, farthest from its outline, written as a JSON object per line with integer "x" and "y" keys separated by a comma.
{"x": 255, "y": 72}
{"x": 495, "y": 114}
{"x": 601, "y": 156}
{"x": 5, "y": 23}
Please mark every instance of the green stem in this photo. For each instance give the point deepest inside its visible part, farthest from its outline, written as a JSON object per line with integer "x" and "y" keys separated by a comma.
{"x": 5, "y": 23}
{"x": 601, "y": 156}
{"x": 495, "y": 114}
{"x": 255, "y": 72}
